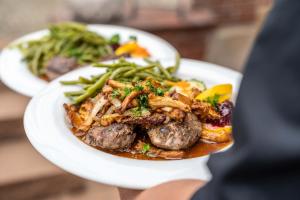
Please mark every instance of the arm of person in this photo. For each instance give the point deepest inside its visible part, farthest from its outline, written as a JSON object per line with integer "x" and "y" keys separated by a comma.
{"x": 264, "y": 162}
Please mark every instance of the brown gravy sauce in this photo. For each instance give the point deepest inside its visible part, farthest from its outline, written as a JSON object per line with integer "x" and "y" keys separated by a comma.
{"x": 198, "y": 150}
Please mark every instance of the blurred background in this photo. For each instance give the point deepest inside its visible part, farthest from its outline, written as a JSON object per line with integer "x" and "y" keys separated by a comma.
{"x": 217, "y": 31}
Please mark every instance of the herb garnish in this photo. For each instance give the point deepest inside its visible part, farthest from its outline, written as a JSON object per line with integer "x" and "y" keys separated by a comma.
{"x": 138, "y": 111}
{"x": 127, "y": 91}
{"x": 138, "y": 88}
{"x": 115, "y": 39}
{"x": 159, "y": 92}
{"x": 132, "y": 37}
{"x": 213, "y": 100}
{"x": 143, "y": 100}
{"x": 156, "y": 91}
{"x": 115, "y": 93}
{"x": 146, "y": 148}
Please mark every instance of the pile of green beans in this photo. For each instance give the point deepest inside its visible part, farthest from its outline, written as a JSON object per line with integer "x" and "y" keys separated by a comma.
{"x": 123, "y": 71}
{"x": 68, "y": 40}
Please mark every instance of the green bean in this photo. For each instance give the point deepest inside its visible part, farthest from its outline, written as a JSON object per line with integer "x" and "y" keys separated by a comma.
{"x": 133, "y": 71}
{"x": 58, "y": 46}
{"x": 155, "y": 74}
{"x": 67, "y": 25}
{"x": 66, "y": 40}
{"x": 130, "y": 73}
{"x": 113, "y": 65}
{"x": 95, "y": 78}
{"x": 35, "y": 62}
{"x": 93, "y": 89}
{"x": 164, "y": 71}
{"x": 177, "y": 62}
{"x": 175, "y": 79}
{"x": 49, "y": 47}
{"x": 161, "y": 69}
{"x": 85, "y": 87}
{"x": 136, "y": 78}
{"x": 104, "y": 65}
{"x": 74, "y": 93}
{"x": 119, "y": 71}
{"x": 124, "y": 79}
{"x": 73, "y": 82}
{"x": 85, "y": 80}
{"x": 144, "y": 75}
{"x": 147, "y": 60}
{"x": 173, "y": 69}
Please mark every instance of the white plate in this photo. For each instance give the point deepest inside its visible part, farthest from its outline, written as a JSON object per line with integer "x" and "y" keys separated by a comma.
{"x": 48, "y": 132}
{"x": 15, "y": 74}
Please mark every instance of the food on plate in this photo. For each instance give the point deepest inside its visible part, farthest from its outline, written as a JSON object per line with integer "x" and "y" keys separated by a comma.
{"x": 176, "y": 134}
{"x": 115, "y": 136}
{"x": 146, "y": 112}
{"x": 70, "y": 45}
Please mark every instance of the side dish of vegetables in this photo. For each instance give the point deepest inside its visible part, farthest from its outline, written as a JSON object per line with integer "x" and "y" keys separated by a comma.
{"x": 70, "y": 45}
{"x": 123, "y": 71}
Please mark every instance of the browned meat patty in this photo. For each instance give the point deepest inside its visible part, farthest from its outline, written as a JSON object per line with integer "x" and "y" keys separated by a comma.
{"x": 175, "y": 135}
{"x": 146, "y": 121}
{"x": 59, "y": 65}
{"x": 113, "y": 137}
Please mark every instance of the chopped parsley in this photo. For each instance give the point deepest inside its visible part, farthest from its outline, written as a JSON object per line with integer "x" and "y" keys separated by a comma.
{"x": 138, "y": 112}
{"x": 115, "y": 93}
{"x": 146, "y": 148}
{"x": 156, "y": 91}
{"x": 143, "y": 101}
{"x": 159, "y": 92}
{"x": 138, "y": 88}
{"x": 127, "y": 91}
{"x": 133, "y": 38}
{"x": 115, "y": 39}
{"x": 213, "y": 100}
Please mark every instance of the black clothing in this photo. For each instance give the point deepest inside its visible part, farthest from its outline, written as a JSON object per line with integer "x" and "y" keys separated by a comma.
{"x": 264, "y": 162}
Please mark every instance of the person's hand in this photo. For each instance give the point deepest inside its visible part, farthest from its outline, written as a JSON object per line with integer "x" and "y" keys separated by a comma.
{"x": 128, "y": 194}
{"x": 175, "y": 190}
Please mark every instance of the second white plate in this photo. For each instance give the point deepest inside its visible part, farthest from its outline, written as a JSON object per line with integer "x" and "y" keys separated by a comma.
{"x": 15, "y": 74}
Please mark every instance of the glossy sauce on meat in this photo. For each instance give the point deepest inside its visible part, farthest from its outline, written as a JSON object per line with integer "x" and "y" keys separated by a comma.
{"x": 197, "y": 150}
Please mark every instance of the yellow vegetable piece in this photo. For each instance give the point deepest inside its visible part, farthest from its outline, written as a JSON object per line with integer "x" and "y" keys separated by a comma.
{"x": 216, "y": 134}
{"x": 126, "y": 48}
{"x": 133, "y": 49}
{"x": 225, "y": 129}
{"x": 223, "y": 90}
{"x": 140, "y": 52}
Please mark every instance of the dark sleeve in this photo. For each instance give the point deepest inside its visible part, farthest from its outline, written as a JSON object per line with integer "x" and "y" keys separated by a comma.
{"x": 264, "y": 162}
